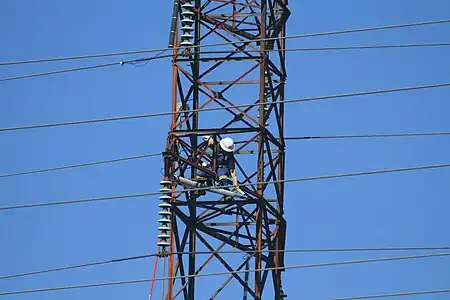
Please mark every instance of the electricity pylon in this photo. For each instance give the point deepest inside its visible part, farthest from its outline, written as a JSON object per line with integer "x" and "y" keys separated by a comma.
{"x": 249, "y": 68}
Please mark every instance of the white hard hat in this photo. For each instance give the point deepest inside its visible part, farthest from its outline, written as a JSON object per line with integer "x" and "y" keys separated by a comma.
{"x": 227, "y": 144}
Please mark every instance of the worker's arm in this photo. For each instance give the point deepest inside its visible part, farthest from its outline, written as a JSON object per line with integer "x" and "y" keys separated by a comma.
{"x": 235, "y": 181}
{"x": 210, "y": 142}
{"x": 209, "y": 139}
{"x": 234, "y": 178}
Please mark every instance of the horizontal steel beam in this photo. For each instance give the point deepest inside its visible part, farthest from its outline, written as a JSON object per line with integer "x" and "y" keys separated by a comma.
{"x": 212, "y": 131}
{"x": 271, "y": 221}
{"x": 235, "y": 83}
{"x": 220, "y": 58}
{"x": 201, "y": 202}
{"x": 241, "y": 15}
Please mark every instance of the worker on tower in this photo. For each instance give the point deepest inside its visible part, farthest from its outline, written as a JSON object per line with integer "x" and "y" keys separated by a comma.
{"x": 225, "y": 161}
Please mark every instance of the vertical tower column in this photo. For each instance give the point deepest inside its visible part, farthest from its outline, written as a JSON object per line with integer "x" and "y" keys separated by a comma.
{"x": 209, "y": 83}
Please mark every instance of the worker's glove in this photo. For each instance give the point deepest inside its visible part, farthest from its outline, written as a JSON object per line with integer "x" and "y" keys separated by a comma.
{"x": 239, "y": 190}
{"x": 206, "y": 138}
{"x": 205, "y": 164}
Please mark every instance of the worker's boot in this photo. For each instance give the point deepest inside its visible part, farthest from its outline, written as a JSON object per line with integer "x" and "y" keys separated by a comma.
{"x": 282, "y": 293}
{"x": 202, "y": 189}
{"x": 228, "y": 198}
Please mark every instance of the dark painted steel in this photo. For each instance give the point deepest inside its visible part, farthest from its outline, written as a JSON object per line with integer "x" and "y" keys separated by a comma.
{"x": 253, "y": 224}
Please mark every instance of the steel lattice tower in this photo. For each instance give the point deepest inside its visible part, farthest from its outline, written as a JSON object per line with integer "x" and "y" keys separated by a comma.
{"x": 246, "y": 70}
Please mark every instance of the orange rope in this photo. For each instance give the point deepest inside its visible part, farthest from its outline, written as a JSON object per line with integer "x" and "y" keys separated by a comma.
{"x": 155, "y": 267}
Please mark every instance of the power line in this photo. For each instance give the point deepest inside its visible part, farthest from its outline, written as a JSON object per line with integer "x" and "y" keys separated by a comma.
{"x": 146, "y": 60}
{"x": 119, "y": 63}
{"x": 368, "y": 47}
{"x": 357, "y": 47}
{"x": 303, "y": 49}
{"x": 79, "y": 165}
{"x": 293, "y": 138}
{"x": 158, "y": 154}
{"x": 338, "y": 263}
{"x": 138, "y": 257}
{"x": 395, "y": 295}
{"x": 59, "y": 71}
{"x": 357, "y": 30}
{"x": 228, "y": 43}
{"x": 149, "y": 115}
{"x": 79, "y": 201}
{"x": 30, "y": 205}
{"x": 97, "y": 263}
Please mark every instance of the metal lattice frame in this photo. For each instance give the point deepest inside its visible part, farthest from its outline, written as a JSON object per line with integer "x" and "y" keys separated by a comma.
{"x": 204, "y": 78}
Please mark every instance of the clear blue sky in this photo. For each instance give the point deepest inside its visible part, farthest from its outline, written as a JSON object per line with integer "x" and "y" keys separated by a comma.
{"x": 407, "y": 209}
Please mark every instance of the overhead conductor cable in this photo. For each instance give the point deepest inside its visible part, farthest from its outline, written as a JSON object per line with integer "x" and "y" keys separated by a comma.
{"x": 292, "y": 267}
{"x": 425, "y": 167}
{"x": 156, "y": 255}
{"x": 160, "y": 114}
{"x": 307, "y": 35}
